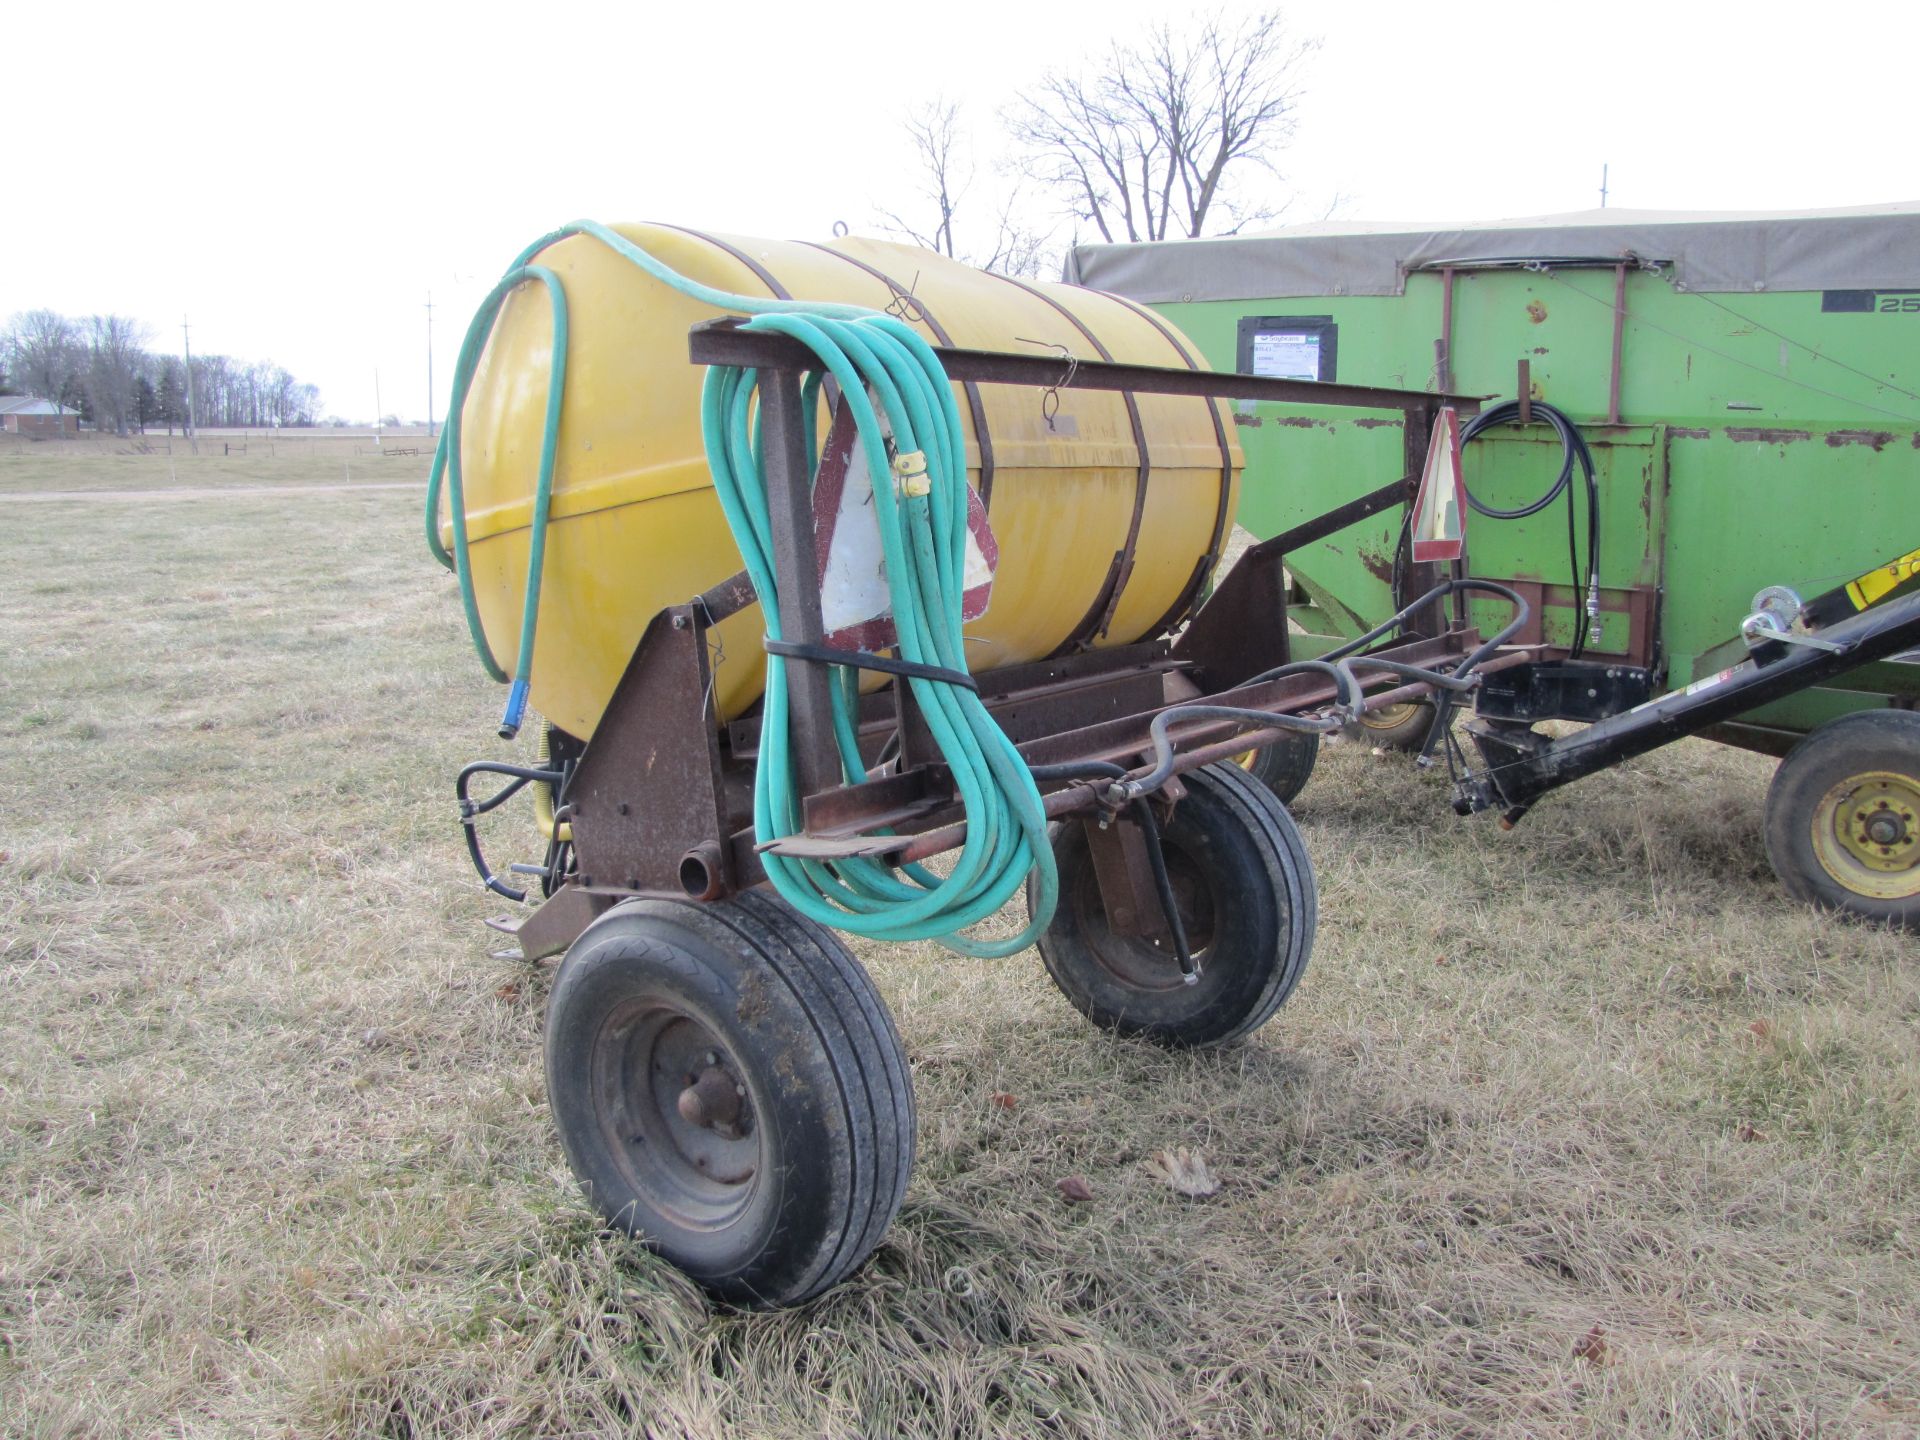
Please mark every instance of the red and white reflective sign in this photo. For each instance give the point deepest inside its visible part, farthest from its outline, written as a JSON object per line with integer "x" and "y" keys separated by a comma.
{"x": 1439, "y": 509}
{"x": 856, "y": 601}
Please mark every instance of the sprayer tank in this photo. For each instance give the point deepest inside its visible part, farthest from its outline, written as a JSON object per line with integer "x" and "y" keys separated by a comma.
{"x": 1107, "y": 511}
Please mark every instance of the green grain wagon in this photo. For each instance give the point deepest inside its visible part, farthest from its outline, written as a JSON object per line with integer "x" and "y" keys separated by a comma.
{"x": 1748, "y": 386}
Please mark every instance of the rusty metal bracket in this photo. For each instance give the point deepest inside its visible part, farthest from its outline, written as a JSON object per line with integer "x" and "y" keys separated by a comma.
{"x": 1125, "y": 877}
{"x": 1242, "y": 630}
{"x": 559, "y": 921}
{"x": 646, "y": 793}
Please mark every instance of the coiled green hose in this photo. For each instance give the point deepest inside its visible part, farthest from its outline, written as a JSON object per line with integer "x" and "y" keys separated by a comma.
{"x": 923, "y": 534}
{"x": 923, "y": 531}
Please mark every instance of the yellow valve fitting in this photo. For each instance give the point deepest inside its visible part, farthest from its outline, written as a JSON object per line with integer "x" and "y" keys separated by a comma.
{"x": 911, "y": 470}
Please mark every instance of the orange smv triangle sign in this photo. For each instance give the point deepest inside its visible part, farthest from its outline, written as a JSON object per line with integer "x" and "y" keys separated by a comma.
{"x": 1439, "y": 518}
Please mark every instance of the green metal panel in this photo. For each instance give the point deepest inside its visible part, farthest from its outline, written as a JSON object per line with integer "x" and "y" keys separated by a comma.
{"x": 1766, "y": 440}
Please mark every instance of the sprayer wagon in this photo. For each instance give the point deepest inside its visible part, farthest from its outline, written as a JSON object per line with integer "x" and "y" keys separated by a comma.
{"x": 810, "y": 592}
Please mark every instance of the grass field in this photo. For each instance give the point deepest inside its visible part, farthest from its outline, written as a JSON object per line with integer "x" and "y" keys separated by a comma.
{"x": 1580, "y": 1130}
{"x": 103, "y": 464}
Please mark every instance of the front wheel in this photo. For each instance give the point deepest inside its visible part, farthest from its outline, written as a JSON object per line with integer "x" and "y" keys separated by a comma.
{"x": 729, "y": 1088}
{"x": 1245, "y": 890}
{"x": 1843, "y": 817}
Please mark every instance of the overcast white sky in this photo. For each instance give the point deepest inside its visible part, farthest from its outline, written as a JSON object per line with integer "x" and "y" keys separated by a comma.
{"x": 297, "y": 176}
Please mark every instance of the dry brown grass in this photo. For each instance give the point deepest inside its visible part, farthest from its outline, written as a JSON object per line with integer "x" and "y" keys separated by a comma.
{"x": 157, "y": 462}
{"x": 1576, "y": 1131}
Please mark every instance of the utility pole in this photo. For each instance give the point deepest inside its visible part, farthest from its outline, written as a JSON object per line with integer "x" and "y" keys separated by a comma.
{"x": 186, "y": 340}
{"x": 1603, "y": 185}
{"x": 379, "y": 420}
{"x": 429, "y": 364}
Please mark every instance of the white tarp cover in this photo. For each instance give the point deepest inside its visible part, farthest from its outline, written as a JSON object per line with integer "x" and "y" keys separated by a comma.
{"x": 1869, "y": 247}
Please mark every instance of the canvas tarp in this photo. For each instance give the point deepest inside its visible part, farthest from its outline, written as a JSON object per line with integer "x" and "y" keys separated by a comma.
{"x": 1865, "y": 248}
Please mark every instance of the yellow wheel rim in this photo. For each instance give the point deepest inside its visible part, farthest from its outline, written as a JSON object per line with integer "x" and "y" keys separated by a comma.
{"x": 1246, "y": 758}
{"x": 1387, "y": 717}
{"x": 1866, "y": 834}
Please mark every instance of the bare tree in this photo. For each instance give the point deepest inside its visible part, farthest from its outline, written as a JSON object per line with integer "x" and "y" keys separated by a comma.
{"x": 933, "y": 130}
{"x": 943, "y": 153}
{"x": 114, "y": 360}
{"x": 101, "y": 366}
{"x": 43, "y": 353}
{"x": 1152, "y": 142}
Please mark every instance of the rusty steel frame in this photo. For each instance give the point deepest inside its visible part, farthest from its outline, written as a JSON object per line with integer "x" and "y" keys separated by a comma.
{"x": 660, "y": 802}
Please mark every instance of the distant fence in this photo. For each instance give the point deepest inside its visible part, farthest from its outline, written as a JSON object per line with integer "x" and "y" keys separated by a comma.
{"x": 317, "y": 442}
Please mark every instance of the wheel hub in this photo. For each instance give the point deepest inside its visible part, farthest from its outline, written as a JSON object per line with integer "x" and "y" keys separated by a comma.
{"x": 1140, "y": 962}
{"x": 1885, "y": 828}
{"x": 714, "y": 1100}
{"x": 1866, "y": 833}
{"x": 678, "y": 1113}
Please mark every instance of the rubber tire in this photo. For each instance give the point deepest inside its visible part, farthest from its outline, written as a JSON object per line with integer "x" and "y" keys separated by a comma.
{"x": 831, "y": 1092}
{"x": 1409, "y": 735}
{"x": 1863, "y": 741}
{"x": 1285, "y": 766}
{"x": 1235, "y": 834}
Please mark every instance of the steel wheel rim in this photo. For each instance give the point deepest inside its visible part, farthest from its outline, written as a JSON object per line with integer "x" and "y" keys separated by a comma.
{"x": 1387, "y": 717}
{"x": 1134, "y": 960}
{"x": 646, "y": 1054}
{"x": 1866, "y": 834}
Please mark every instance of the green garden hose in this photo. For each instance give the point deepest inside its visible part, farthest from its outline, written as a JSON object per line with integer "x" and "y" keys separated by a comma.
{"x": 917, "y": 464}
{"x": 446, "y": 455}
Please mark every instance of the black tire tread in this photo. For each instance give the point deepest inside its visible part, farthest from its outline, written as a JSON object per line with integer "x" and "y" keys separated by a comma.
{"x": 1282, "y": 856}
{"x": 1289, "y": 863}
{"x": 1286, "y": 766}
{"x": 1802, "y": 779}
{"x": 851, "y": 1025}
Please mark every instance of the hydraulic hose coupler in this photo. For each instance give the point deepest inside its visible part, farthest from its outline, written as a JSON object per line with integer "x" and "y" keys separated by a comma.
{"x": 515, "y": 712}
{"x": 1594, "y": 622}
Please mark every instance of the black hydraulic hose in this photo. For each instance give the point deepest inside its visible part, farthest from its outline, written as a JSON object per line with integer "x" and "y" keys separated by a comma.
{"x": 1346, "y": 688}
{"x": 1573, "y": 452}
{"x": 1521, "y": 611}
{"x": 1163, "y": 757}
{"x": 1337, "y": 664}
{"x": 1438, "y": 679}
{"x": 520, "y": 777}
{"x": 1572, "y": 449}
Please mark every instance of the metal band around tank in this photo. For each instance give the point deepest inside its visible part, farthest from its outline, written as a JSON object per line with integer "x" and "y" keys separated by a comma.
{"x": 972, "y": 390}
{"x": 1095, "y": 622}
{"x": 1183, "y": 603}
{"x": 764, "y": 275}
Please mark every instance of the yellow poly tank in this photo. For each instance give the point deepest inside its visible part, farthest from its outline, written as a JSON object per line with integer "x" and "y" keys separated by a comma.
{"x": 634, "y": 524}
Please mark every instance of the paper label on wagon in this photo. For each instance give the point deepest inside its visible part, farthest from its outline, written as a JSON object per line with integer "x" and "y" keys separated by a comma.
{"x": 856, "y": 602}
